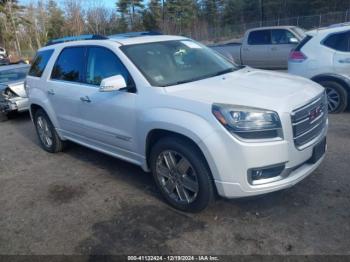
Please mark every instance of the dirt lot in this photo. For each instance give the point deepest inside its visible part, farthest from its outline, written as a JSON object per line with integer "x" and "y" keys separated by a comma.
{"x": 83, "y": 202}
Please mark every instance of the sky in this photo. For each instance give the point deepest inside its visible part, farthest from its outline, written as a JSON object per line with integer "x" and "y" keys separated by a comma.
{"x": 106, "y": 3}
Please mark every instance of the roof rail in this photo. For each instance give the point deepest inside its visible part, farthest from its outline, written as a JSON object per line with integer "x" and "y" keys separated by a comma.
{"x": 75, "y": 38}
{"x": 134, "y": 34}
{"x": 339, "y": 25}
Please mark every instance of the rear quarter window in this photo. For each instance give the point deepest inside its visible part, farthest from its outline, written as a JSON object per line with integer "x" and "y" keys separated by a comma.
{"x": 40, "y": 61}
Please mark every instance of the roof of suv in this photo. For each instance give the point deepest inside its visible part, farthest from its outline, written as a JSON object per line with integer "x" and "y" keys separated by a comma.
{"x": 146, "y": 39}
{"x": 118, "y": 40}
{"x": 330, "y": 29}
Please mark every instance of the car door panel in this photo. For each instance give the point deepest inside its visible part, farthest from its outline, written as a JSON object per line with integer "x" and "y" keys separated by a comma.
{"x": 340, "y": 43}
{"x": 64, "y": 98}
{"x": 341, "y": 62}
{"x": 64, "y": 85}
{"x": 107, "y": 118}
{"x": 255, "y": 49}
{"x": 280, "y": 48}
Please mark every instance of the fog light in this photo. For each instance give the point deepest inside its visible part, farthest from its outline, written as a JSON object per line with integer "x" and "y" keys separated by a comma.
{"x": 266, "y": 175}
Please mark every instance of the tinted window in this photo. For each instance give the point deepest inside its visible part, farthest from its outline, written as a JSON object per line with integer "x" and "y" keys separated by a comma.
{"x": 281, "y": 36}
{"x": 15, "y": 74}
{"x": 70, "y": 65}
{"x": 40, "y": 61}
{"x": 261, "y": 37}
{"x": 103, "y": 63}
{"x": 339, "y": 42}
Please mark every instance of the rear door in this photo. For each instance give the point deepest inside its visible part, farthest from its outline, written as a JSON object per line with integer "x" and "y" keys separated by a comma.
{"x": 340, "y": 42}
{"x": 64, "y": 87}
{"x": 282, "y": 43}
{"x": 255, "y": 49}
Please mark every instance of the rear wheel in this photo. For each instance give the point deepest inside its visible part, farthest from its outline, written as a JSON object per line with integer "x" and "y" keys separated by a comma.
{"x": 181, "y": 174}
{"x": 47, "y": 134}
{"x": 337, "y": 96}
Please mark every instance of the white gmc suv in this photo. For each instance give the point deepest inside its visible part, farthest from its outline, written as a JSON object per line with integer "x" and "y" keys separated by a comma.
{"x": 199, "y": 123}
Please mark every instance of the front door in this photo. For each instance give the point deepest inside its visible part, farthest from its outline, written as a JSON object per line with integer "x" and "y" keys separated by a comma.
{"x": 108, "y": 118}
{"x": 255, "y": 49}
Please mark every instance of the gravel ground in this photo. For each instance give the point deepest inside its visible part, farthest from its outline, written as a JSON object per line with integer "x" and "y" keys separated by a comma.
{"x": 84, "y": 202}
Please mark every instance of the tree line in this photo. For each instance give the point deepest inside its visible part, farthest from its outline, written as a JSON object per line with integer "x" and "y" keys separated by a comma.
{"x": 28, "y": 27}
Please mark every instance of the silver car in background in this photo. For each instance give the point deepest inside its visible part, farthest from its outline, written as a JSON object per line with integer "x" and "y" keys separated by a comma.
{"x": 264, "y": 47}
{"x": 13, "y": 97}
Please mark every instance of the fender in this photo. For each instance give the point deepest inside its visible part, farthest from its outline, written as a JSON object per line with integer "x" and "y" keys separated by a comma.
{"x": 38, "y": 97}
{"x": 185, "y": 123}
{"x": 341, "y": 79}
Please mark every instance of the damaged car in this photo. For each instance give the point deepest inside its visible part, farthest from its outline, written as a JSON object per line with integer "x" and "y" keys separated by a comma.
{"x": 13, "y": 97}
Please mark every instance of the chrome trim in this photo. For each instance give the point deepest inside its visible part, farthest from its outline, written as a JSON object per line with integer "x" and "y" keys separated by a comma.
{"x": 303, "y": 125}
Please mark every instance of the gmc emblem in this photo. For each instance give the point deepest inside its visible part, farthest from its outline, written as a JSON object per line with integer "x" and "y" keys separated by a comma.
{"x": 315, "y": 113}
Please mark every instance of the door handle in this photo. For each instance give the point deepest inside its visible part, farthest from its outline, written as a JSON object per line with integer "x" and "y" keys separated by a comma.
{"x": 344, "y": 61}
{"x": 85, "y": 99}
{"x": 273, "y": 48}
{"x": 51, "y": 92}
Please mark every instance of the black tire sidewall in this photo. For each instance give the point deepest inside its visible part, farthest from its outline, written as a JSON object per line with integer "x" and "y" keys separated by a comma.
{"x": 205, "y": 194}
{"x": 55, "y": 138}
{"x": 342, "y": 93}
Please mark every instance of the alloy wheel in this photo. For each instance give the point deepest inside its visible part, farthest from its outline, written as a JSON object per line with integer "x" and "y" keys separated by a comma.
{"x": 333, "y": 99}
{"x": 177, "y": 177}
{"x": 44, "y": 131}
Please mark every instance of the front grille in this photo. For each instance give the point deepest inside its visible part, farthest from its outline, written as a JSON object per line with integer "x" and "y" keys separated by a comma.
{"x": 309, "y": 121}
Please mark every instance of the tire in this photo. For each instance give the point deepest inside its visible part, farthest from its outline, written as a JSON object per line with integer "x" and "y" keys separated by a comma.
{"x": 337, "y": 96}
{"x": 191, "y": 176}
{"x": 44, "y": 127}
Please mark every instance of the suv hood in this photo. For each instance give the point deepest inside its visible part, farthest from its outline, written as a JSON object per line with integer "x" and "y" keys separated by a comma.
{"x": 250, "y": 87}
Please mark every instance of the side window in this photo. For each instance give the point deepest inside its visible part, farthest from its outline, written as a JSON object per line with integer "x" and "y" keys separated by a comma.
{"x": 40, "y": 61}
{"x": 70, "y": 65}
{"x": 339, "y": 41}
{"x": 260, "y": 37}
{"x": 103, "y": 63}
{"x": 281, "y": 37}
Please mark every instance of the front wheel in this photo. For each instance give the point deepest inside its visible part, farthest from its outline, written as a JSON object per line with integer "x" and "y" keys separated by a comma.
{"x": 181, "y": 174}
{"x": 336, "y": 95}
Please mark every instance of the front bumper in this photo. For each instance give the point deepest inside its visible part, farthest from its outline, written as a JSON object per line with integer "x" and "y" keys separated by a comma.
{"x": 18, "y": 104}
{"x": 232, "y": 160}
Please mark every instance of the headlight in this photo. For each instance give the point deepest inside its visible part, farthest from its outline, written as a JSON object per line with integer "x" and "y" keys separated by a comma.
{"x": 249, "y": 123}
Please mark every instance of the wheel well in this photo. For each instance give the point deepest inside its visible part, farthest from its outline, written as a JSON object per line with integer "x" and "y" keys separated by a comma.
{"x": 34, "y": 108}
{"x": 155, "y": 135}
{"x": 336, "y": 79}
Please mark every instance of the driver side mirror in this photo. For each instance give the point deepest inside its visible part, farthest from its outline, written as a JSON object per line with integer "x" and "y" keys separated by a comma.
{"x": 293, "y": 40}
{"x": 113, "y": 83}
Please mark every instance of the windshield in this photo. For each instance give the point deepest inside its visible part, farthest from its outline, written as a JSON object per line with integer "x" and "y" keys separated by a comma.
{"x": 299, "y": 31}
{"x": 176, "y": 62}
{"x": 15, "y": 74}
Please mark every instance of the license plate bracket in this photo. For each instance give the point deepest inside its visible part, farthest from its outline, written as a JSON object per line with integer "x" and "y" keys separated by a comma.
{"x": 318, "y": 151}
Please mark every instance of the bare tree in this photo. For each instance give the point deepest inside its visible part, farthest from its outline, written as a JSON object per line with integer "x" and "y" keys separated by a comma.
{"x": 75, "y": 24}
{"x": 97, "y": 17}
